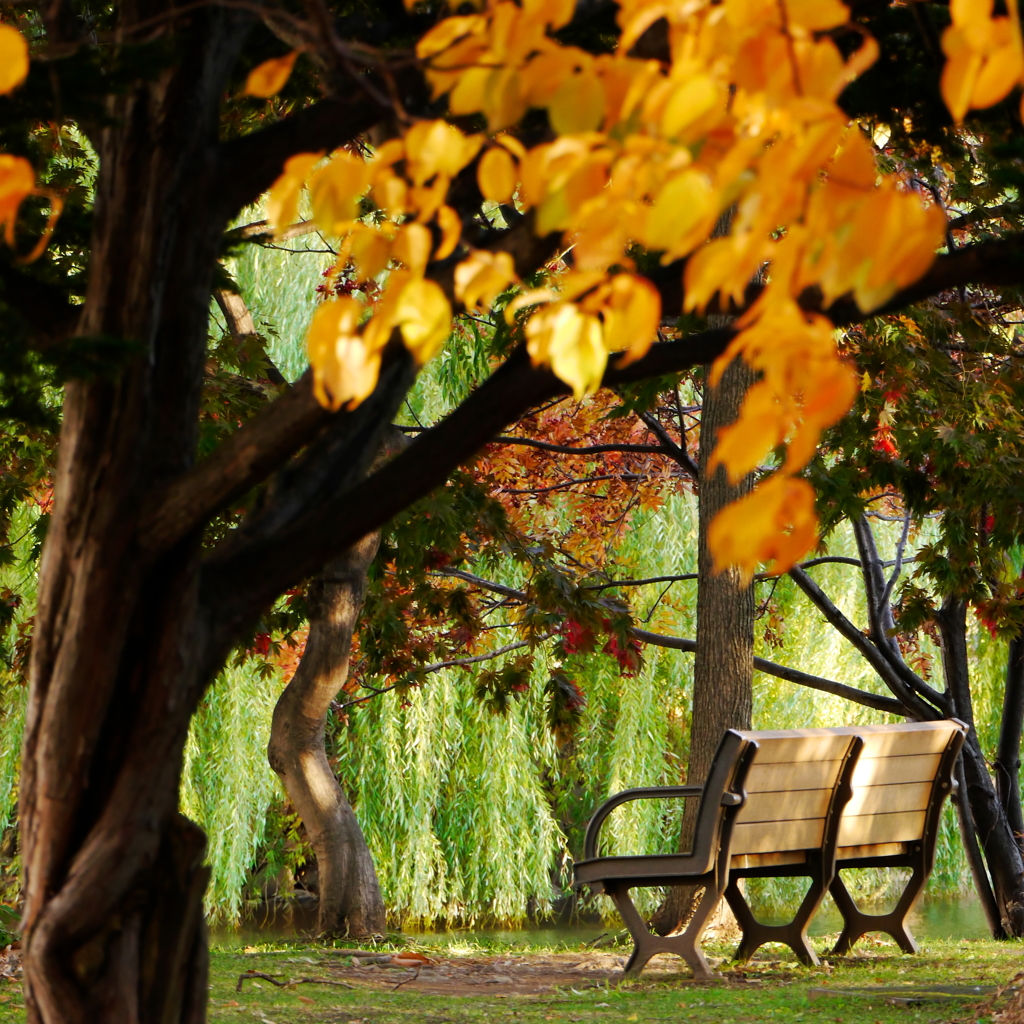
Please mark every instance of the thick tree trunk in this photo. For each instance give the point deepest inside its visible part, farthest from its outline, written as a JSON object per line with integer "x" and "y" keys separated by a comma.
{"x": 350, "y": 900}
{"x": 723, "y": 670}
{"x": 1002, "y": 853}
{"x": 113, "y": 924}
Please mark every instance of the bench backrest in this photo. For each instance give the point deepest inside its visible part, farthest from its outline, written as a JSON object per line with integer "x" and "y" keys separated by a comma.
{"x": 899, "y": 783}
{"x": 794, "y": 789}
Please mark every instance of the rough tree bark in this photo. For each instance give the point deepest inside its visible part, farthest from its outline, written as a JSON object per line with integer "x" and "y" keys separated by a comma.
{"x": 350, "y": 898}
{"x": 124, "y": 645}
{"x": 723, "y": 670}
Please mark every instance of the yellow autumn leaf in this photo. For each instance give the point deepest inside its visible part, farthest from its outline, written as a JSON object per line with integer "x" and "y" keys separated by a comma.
{"x": 425, "y": 318}
{"x": 815, "y": 15}
{"x": 437, "y": 147}
{"x": 578, "y": 105}
{"x": 269, "y": 78}
{"x": 482, "y": 277}
{"x": 682, "y": 215}
{"x": 692, "y": 101}
{"x": 412, "y": 246}
{"x": 335, "y": 190}
{"x": 496, "y": 175}
{"x": 631, "y": 316}
{"x": 13, "y": 59}
{"x": 345, "y": 370}
{"x": 447, "y": 32}
{"x": 370, "y": 251}
{"x": 775, "y": 523}
{"x": 761, "y": 425}
{"x": 450, "y": 224}
{"x": 283, "y": 201}
{"x": 570, "y": 342}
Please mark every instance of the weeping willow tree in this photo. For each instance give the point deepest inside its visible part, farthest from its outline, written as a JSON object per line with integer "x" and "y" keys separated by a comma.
{"x": 472, "y": 816}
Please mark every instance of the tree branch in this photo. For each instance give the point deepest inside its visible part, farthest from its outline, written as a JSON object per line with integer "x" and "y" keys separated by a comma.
{"x": 594, "y": 449}
{"x": 913, "y": 704}
{"x": 248, "y": 166}
{"x": 245, "y": 459}
{"x": 880, "y": 614}
{"x": 668, "y": 447}
{"x": 266, "y": 567}
{"x": 792, "y": 675}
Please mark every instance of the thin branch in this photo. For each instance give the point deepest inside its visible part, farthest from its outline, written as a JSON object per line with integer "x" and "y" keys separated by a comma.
{"x": 669, "y": 447}
{"x": 479, "y": 581}
{"x": 577, "y": 480}
{"x": 640, "y": 583}
{"x": 898, "y": 563}
{"x": 874, "y": 657}
{"x": 883, "y": 626}
{"x": 439, "y": 665}
{"x": 791, "y": 675}
{"x": 252, "y": 975}
{"x": 985, "y": 213}
{"x": 567, "y": 449}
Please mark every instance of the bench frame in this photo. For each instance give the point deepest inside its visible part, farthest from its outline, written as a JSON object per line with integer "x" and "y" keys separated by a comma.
{"x": 709, "y": 863}
{"x": 920, "y": 858}
{"x": 819, "y": 867}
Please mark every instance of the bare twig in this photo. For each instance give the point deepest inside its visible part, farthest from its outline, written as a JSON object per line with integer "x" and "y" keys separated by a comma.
{"x": 252, "y": 975}
{"x": 404, "y": 981}
{"x": 594, "y": 449}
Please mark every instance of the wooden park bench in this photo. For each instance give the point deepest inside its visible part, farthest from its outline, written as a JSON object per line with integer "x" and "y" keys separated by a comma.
{"x": 790, "y": 803}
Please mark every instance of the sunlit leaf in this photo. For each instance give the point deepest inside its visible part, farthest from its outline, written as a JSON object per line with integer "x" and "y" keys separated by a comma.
{"x": 283, "y": 201}
{"x": 774, "y": 525}
{"x": 13, "y": 59}
{"x": 345, "y": 370}
{"x": 335, "y": 190}
{"x": 269, "y": 78}
{"x": 482, "y": 277}
{"x": 496, "y": 175}
{"x": 425, "y": 318}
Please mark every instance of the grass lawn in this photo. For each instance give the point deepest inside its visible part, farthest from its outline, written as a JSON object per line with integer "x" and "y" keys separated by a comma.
{"x": 469, "y": 982}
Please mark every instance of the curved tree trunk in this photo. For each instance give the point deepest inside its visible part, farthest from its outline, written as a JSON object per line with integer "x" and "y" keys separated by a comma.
{"x": 350, "y": 900}
{"x": 994, "y": 830}
{"x": 723, "y": 670}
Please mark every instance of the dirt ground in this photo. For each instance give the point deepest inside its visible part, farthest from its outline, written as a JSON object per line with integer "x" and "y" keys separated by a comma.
{"x": 507, "y": 974}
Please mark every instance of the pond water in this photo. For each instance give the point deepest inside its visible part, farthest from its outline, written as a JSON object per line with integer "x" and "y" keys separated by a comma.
{"x": 930, "y": 919}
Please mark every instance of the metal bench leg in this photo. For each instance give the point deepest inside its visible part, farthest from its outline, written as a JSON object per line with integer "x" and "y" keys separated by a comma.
{"x": 856, "y": 923}
{"x": 646, "y": 944}
{"x": 793, "y": 934}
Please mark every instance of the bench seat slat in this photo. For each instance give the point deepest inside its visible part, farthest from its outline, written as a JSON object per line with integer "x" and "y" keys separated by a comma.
{"x": 910, "y": 738}
{"x": 890, "y": 770}
{"x": 792, "y": 805}
{"x": 781, "y": 778}
{"x": 777, "y": 836}
{"x": 902, "y": 827}
{"x": 904, "y": 796}
{"x": 800, "y": 745}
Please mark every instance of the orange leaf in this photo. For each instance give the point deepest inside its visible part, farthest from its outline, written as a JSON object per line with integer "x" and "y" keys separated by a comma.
{"x": 269, "y": 78}
{"x": 13, "y": 59}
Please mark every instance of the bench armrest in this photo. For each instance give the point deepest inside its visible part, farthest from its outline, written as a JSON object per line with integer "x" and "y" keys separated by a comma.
{"x": 642, "y": 793}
